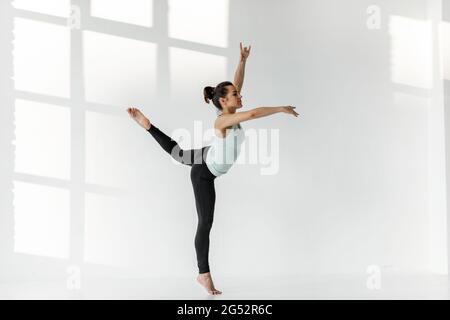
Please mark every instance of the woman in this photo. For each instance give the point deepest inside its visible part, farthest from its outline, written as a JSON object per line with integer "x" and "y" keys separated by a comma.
{"x": 214, "y": 160}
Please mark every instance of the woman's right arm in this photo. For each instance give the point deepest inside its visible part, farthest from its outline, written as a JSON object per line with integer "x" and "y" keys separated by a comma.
{"x": 228, "y": 120}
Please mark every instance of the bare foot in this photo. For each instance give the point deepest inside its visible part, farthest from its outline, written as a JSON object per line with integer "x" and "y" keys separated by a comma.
{"x": 138, "y": 116}
{"x": 206, "y": 281}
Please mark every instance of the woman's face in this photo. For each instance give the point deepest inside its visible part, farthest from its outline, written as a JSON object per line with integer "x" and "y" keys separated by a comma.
{"x": 233, "y": 99}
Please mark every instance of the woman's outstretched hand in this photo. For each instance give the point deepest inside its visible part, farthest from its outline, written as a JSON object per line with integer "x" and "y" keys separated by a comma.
{"x": 139, "y": 117}
{"x": 245, "y": 52}
{"x": 290, "y": 110}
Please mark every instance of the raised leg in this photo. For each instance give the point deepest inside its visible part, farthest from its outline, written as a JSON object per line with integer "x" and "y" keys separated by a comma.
{"x": 187, "y": 157}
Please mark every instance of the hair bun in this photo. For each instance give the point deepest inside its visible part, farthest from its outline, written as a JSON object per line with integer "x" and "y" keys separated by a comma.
{"x": 208, "y": 93}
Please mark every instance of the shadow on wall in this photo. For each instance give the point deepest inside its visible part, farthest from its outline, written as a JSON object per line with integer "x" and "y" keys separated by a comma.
{"x": 68, "y": 189}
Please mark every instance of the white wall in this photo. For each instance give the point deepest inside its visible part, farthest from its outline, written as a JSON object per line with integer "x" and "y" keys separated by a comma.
{"x": 85, "y": 186}
{"x": 437, "y": 205}
{"x": 445, "y": 51}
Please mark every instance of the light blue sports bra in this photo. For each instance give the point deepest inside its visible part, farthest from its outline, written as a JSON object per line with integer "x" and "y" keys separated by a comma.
{"x": 224, "y": 151}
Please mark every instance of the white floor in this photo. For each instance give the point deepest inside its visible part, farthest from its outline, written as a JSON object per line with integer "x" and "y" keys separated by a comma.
{"x": 326, "y": 287}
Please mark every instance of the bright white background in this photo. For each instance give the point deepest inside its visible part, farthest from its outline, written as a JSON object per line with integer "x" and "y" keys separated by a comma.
{"x": 362, "y": 171}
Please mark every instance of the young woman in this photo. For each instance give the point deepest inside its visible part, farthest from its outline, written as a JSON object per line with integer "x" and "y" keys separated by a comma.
{"x": 214, "y": 160}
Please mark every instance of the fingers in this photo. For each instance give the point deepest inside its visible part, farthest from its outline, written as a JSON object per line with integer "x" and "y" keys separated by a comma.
{"x": 245, "y": 49}
{"x": 292, "y": 111}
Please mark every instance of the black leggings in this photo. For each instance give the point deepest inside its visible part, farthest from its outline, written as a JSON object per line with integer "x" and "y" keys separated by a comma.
{"x": 204, "y": 191}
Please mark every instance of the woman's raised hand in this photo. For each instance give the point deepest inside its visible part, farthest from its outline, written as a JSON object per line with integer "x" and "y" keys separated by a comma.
{"x": 245, "y": 52}
{"x": 290, "y": 110}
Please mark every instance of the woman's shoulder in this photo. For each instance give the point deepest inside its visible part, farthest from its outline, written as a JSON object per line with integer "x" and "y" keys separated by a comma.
{"x": 235, "y": 126}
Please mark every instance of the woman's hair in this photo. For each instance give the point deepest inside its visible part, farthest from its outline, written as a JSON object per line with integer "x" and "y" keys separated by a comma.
{"x": 214, "y": 94}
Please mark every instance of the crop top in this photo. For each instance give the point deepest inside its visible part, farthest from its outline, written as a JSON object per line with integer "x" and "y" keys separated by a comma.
{"x": 224, "y": 151}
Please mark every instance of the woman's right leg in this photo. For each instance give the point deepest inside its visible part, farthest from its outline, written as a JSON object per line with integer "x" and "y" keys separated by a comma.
{"x": 205, "y": 198}
{"x": 187, "y": 157}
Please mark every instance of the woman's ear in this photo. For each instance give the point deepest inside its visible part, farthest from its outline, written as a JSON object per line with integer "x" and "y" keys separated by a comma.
{"x": 223, "y": 100}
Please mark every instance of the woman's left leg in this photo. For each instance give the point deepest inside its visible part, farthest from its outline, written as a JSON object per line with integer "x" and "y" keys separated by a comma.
{"x": 187, "y": 157}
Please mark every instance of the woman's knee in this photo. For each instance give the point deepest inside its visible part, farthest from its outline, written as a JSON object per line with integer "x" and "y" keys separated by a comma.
{"x": 205, "y": 223}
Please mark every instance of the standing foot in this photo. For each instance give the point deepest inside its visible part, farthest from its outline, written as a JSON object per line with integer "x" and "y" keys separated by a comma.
{"x": 206, "y": 281}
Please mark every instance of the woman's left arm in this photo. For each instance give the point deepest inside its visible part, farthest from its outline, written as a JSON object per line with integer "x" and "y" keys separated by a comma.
{"x": 240, "y": 71}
